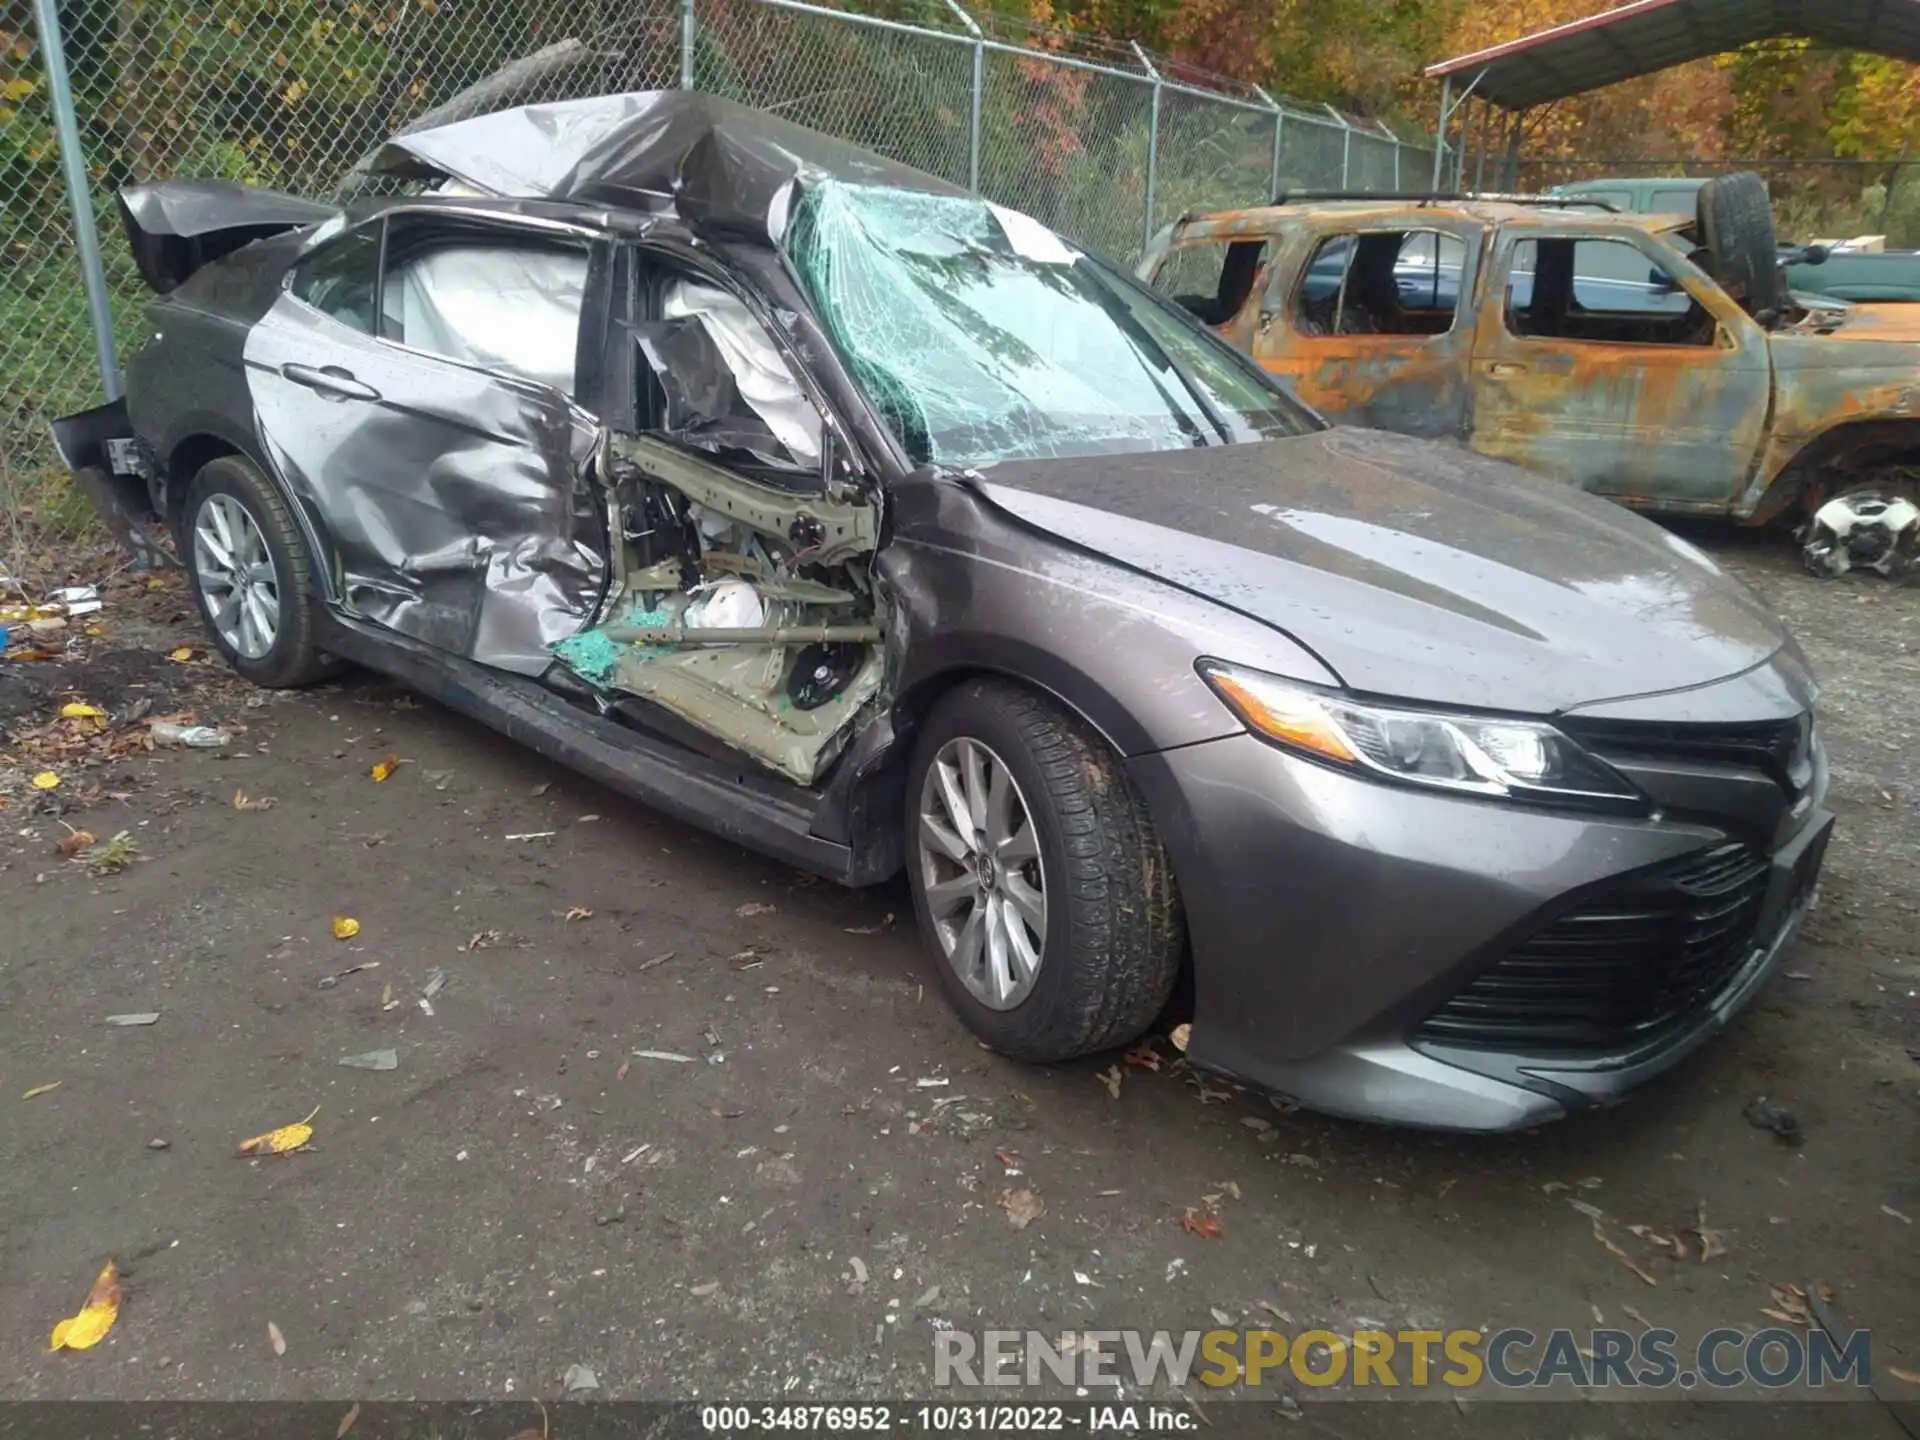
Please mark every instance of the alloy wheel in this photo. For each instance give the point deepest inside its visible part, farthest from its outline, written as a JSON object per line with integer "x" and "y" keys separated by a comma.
{"x": 236, "y": 576}
{"x": 981, "y": 873}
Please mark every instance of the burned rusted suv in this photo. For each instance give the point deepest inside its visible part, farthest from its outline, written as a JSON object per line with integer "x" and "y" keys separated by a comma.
{"x": 1656, "y": 359}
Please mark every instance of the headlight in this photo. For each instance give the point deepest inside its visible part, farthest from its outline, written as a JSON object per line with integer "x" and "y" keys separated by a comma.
{"x": 1477, "y": 755}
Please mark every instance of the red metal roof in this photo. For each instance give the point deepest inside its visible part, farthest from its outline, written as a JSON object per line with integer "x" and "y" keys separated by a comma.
{"x": 1648, "y": 35}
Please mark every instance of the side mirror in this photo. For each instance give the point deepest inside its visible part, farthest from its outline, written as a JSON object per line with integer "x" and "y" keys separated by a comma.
{"x": 1661, "y": 281}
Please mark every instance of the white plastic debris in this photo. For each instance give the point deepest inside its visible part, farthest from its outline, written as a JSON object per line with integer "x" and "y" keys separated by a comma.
{"x": 728, "y": 605}
{"x": 1867, "y": 530}
{"x": 196, "y": 737}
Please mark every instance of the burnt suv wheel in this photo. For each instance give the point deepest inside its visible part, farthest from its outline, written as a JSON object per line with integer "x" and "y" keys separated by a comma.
{"x": 1037, "y": 877}
{"x": 252, "y": 576}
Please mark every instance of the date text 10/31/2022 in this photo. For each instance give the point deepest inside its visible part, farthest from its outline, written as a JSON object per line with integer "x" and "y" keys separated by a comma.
{"x": 948, "y": 1419}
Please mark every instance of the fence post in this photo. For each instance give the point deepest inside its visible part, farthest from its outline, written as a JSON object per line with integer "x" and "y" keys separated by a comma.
{"x": 1153, "y": 142}
{"x": 73, "y": 163}
{"x": 1279, "y": 119}
{"x": 979, "y": 84}
{"x": 1346, "y": 147}
{"x": 686, "y": 45}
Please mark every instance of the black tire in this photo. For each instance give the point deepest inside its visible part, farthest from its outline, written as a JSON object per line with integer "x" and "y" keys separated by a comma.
{"x": 295, "y": 657}
{"x": 1736, "y": 227}
{"x": 1115, "y": 933}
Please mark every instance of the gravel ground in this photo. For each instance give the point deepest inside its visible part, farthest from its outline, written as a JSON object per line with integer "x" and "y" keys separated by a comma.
{"x": 798, "y": 1206}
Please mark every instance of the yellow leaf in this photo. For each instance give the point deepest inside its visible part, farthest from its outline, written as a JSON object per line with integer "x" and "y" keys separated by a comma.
{"x": 16, "y": 90}
{"x": 383, "y": 769}
{"x": 96, "y": 1317}
{"x": 77, "y": 711}
{"x": 41, "y": 1089}
{"x": 45, "y": 780}
{"x": 284, "y": 1141}
{"x": 276, "y": 1339}
{"x": 184, "y": 652}
{"x": 1179, "y": 1037}
{"x": 345, "y": 927}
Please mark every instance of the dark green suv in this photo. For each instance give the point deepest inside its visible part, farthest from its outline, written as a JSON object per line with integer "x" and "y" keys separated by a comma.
{"x": 1876, "y": 275}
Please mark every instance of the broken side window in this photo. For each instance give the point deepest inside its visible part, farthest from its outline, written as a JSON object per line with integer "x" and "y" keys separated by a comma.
{"x": 500, "y": 302}
{"x": 1213, "y": 277}
{"x": 1390, "y": 282}
{"x": 1609, "y": 291}
{"x": 338, "y": 279}
{"x": 721, "y": 382}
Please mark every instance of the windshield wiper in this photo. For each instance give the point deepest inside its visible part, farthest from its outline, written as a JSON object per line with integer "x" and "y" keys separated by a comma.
{"x": 1122, "y": 315}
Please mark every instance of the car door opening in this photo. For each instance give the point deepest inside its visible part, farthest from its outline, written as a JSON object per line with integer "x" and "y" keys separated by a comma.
{"x": 745, "y": 612}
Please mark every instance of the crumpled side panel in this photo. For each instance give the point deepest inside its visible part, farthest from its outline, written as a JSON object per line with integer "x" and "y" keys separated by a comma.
{"x": 457, "y": 504}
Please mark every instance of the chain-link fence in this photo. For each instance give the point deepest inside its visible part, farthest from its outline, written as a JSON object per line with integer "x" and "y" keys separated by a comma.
{"x": 1105, "y": 146}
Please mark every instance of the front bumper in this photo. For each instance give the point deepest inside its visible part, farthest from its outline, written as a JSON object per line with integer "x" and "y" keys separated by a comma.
{"x": 1331, "y": 916}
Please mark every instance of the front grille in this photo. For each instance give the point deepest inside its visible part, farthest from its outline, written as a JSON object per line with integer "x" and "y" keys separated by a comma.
{"x": 1774, "y": 747}
{"x": 1641, "y": 957}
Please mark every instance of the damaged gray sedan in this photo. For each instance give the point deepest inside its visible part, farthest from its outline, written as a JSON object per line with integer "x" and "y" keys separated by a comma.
{"x": 877, "y": 528}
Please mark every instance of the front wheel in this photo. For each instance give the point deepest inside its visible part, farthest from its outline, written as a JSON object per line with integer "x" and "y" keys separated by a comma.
{"x": 1037, "y": 876}
{"x": 252, "y": 576}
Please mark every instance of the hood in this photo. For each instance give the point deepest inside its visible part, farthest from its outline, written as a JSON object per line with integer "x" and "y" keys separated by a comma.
{"x": 1889, "y": 324}
{"x": 1415, "y": 570}
{"x": 728, "y": 167}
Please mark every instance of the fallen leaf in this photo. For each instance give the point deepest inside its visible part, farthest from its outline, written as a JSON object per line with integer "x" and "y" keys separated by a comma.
{"x": 284, "y": 1141}
{"x": 625, "y": 1066}
{"x": 41, "y": 1089}
{"x": 382, "y": 770}
{"x": 578, "y": 912}
{"x": 1144, "y": 1057}
{"x": 181, "y": 653}
{"x": 1023, "y": 1207}
{"x": 755, "y": 907}
{"x": 1111, "y": 1078}
{"x": 721, "y": 1113}
{"x": 1275, "y": 1311}
{"x": 346, "y": 1421}
{"x": 1232, "y": 1187}
{"x": 1205, "y": 1226}
{"x": 1179, "y": 1037}
{"x": 1910, "y": 1376}
{"x": 46, "y": 780}
{"x": 1621, "y": 1255}
{"x": 276, "y": 1339}
{"x": 345, "y": 927}
{"x": 73, "y": 842}
{"x": 1666, "y": 1240}
{"x": 95, "y": 717}
{"x": 96, "y": 1317}
{"x": 140, "y": 1017}
{"x": 387, "y": 1002}
{"x": 243, "y": 801}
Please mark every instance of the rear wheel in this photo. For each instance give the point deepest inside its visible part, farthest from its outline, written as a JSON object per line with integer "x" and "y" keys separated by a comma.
{"x": 252, "y": 576}
{"x": 1037, "y": 877}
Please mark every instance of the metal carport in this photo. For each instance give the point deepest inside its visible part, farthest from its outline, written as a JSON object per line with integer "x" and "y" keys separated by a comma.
{"x": 1649, "y": 35}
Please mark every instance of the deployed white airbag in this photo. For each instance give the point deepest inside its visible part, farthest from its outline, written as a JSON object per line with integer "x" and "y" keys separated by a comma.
{"x": 759, "y": 370}
{"x": 499, "y": 308}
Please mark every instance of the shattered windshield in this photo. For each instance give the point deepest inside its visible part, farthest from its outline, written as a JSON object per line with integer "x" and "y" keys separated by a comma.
{"x": 979, "y": 336}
